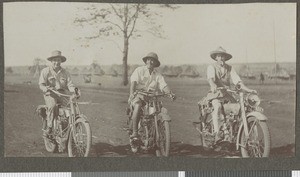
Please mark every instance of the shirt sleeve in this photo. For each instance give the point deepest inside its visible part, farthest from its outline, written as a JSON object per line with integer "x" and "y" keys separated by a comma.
{"x": 210, "y": 72}
{"x": 161, "y": 82}
{"x": 43, "y": 80}
{"x": 234, "y": 76}
{"x": 134, "y": 76}
{"x": 70, "y": 84}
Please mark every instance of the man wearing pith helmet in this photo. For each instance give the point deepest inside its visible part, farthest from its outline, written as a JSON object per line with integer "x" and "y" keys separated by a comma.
{"x": 57, "y": 78}
{"x": 145, "y": 78}
{"x": 219, "y": 74}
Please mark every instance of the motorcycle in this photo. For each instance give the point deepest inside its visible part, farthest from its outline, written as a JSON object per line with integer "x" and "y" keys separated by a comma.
{"x": 153, "y": 126}
{"x": 241, "y": 124}
{"x": 71, "y": 129}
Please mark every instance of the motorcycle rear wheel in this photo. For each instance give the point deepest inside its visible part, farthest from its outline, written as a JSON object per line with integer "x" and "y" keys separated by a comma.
{"x": 256, "y": 146}
{"x": 207, "y": 138}
{"x": 164, "y": 139}
{"x": 80, "y": 139}
{"x": 50, "y": 143}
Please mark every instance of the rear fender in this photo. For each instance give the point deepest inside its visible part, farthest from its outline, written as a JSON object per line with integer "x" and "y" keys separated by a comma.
{"x": 163, "y": 115}
{"x": 249, "y": 116}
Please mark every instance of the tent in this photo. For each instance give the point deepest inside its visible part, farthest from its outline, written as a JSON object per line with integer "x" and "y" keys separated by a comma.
{"x": 278, "y": 72}
{"x": 189, "y": 71}
{"x": 110, "y": 71}
{"x": 85, "y": 71}
{"x": 36, "y": 70}
{"x": 75, "y": 71}
{"x": 246, "y": 72}
{"x": 119, "y": 69}
{"x": 169, "y": 71}
{"x": 97, "y": 70}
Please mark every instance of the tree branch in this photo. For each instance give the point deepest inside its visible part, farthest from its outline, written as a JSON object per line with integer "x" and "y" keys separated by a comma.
{"x": 115, "y": 10}
{"x": 116, "y": 25}
{"x": 135, "y": 16}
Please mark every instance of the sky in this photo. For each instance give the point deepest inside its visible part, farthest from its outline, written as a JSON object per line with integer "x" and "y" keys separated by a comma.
{"x": 251, "y": 32}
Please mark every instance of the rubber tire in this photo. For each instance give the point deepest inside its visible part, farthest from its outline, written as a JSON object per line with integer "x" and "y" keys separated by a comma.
{"x": 266, "y": 134}
{"x": 145, "y": 135}
{"x": 88, "y": 138}
{"x": 159, "y": 151}
{"x": 204, "y": 146}
{"x": 51, "y": 146}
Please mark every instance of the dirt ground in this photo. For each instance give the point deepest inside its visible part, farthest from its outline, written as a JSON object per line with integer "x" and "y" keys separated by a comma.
{"x": 106, "y": 114}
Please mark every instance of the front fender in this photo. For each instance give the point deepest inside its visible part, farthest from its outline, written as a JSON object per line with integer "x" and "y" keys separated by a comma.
{"x": 249, "y": 116}
{"x": 79, "y": 118}
{"x": 163, "y": 115}
{"x": 257, "y": 114}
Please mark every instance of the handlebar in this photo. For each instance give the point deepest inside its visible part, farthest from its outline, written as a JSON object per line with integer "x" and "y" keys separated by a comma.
{"x": 227, "y": 89}
{"x": 154, "y": 94}
{"x": 75, "y": 95}
{"x": 238, "y": 90}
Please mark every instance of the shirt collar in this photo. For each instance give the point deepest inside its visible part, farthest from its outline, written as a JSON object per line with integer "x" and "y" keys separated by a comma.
{"x": 52, "y": 70}
{"x": 146, "y": 69}
{"x": 219, "y": 66}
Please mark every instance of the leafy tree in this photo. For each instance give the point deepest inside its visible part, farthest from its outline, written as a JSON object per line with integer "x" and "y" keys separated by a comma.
{"x": 121, "y": 20}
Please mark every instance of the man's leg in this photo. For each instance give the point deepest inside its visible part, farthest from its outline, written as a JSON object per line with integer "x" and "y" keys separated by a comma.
{"x": 216, "y": 114}
{"x": 135, "y": 119}
{"x": 51, "y": 111}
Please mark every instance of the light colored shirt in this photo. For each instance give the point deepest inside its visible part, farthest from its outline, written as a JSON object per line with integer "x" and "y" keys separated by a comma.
{"x": 146, "y": 81}
{"x": 58, "y": 80}
{"x": 221, "y": 75}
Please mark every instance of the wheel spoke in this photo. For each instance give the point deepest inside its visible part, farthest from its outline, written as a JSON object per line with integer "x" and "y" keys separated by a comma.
{"x": 162, "y": 137}
{"x": 255, "y": 145}
{"x": 79, "y": 143}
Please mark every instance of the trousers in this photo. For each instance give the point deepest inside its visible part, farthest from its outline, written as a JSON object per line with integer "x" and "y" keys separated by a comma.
{"x": 51, "y": 101}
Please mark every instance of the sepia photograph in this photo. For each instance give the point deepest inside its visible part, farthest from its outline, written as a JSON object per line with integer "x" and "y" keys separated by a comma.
{"x": 85, "y": 79}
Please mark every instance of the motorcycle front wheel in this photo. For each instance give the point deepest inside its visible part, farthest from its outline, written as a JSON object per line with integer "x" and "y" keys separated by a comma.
{"x": 164, "y": 140}
{"x": 80, "y": 139}
{"x": 259, "y": 142}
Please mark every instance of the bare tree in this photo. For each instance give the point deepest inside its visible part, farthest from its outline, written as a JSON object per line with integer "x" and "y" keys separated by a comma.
{"x": 37, "y": 65}
{"x": 121, "y": 20}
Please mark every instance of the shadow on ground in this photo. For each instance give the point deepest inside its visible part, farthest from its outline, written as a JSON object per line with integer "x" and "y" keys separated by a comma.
{"x": 283, "y": 151}
{"x": 181, "y": 149}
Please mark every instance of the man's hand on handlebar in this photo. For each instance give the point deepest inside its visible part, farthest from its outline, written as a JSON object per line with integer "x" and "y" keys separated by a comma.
{"x": 77, "y": 92}
{"x": 213, "y": 88}
{"x": 172, "y": 96}
{"x": 48, "y": 89}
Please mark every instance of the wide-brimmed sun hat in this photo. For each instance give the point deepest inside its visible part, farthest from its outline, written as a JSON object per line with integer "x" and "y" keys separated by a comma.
{"x": 221, "y": 51}
{"x": 57, "y": 54}
{"x": 153, "y": 56}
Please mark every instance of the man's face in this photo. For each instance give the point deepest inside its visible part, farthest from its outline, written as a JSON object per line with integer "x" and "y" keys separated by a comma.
{"x": 220, "y": 59}
{"x": 150, "y": 63}
{"x": 56, "y": 63}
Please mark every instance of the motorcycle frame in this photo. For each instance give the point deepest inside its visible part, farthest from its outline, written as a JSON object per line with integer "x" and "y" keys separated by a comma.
{"x": 158, "y": 111}
{"x": 74, "y": 114}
